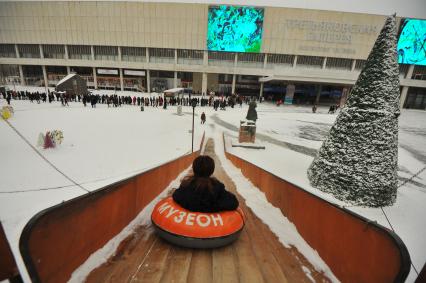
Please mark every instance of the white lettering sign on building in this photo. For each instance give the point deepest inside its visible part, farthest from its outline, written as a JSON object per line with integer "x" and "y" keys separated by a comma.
{"x": 134, "y": 73}
{"x": 107, "y": 72}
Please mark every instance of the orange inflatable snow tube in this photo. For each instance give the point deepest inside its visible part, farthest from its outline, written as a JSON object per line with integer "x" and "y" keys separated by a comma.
{"x": 185, "y": 228}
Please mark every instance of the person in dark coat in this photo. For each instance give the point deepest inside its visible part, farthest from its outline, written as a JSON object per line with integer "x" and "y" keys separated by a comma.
{"x": 8, "y": 98}
{"x": 202, "y": 193}
{"x": 203, "y": 118}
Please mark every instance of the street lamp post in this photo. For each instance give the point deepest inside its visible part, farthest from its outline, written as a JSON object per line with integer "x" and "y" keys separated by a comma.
{"x": 193, "y": 104}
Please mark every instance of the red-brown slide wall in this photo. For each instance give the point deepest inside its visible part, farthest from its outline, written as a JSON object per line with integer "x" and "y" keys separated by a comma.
{"x": 355, "y": 249}
{"x": 58, "y": 240}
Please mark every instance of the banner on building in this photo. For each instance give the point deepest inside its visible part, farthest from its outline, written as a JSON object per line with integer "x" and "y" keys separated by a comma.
{"x": 134, "y": 73}
{"x": 107, "y": 72}
{"x": 289, "y": 94}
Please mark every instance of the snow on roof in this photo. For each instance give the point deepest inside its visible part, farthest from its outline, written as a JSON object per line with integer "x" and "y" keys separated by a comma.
{"x": 67, "y": 77}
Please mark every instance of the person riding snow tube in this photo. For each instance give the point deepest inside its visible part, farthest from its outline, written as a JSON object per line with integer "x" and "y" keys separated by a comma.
{"x": 201, "y": 213}
{"x": 185, "y": 228}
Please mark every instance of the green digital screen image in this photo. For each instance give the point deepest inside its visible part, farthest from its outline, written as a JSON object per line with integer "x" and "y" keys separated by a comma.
{"x": 412, "y": 42}
{"x": 235, "y": 28}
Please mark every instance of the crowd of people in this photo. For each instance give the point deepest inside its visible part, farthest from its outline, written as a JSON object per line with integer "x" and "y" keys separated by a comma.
{"x": 155, "y": 100}
{"x": 114, "y": 100}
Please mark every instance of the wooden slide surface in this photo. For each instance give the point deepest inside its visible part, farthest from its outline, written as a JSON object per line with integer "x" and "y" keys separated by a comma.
{"x": 257, "y": 256}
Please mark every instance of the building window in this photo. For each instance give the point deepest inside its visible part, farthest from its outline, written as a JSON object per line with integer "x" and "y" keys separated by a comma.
{"x": 54, "y": 51}
{"x": 162, "y": 55}
{"x": 29, "y": 51}
{"x": 310, "y": 61}
{"x": 359, "y": 64}
{"x": 7, "y": 51}
{"x": 79, "y": 52}
{"x": 190, "y": 57}
{"x": 33, "y": 75}
{"x": 279, "y": 60}
{"x": 403, "y": 69}
{"x": 339, "y": 63}
{"x": 251, "y": 60}
{"x": 137, "y": 54}
{"x": 419, "y": 73}
{"x": 416, "y": 98}
{"x": 9, "y": 74}
{"x": 221, "y": 58}
{"x": 106, "y": 53}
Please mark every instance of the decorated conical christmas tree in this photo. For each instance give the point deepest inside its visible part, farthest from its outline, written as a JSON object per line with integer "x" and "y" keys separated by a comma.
{"x": 40, "y": 140}
{"x": 357, "y": 162}
{"x": 6, "y": 114}
{"x": 48, "y": 143}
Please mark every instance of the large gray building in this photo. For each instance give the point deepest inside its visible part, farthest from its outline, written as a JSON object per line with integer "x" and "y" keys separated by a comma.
{"x": 148, "y": 46}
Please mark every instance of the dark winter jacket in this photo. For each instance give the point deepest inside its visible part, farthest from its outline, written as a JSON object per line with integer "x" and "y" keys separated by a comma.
{"x": 203, "y": 199}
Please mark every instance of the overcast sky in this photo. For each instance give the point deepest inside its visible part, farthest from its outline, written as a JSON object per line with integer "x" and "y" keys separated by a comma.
{"x": 403, "y": 8}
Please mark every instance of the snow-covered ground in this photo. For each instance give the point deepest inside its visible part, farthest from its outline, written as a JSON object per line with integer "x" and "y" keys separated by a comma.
{"x": 100, "y": 146}
{"x": 291, "y": 135}
{"x": 103, "y": 145}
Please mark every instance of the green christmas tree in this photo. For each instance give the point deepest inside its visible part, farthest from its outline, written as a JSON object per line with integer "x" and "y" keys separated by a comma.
{"x": 357, "y": 162}
{"x": 40, "y": 140}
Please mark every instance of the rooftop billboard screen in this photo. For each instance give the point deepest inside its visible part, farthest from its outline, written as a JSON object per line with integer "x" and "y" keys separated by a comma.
{"x": 412, "y": 42}
{"x": 234, "y": 29}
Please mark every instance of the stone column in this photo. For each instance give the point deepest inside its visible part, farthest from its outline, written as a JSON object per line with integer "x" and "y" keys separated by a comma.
{"x": 21, "y": 75}
{"x": 147, "y": 54}
{"x": 46, "y": 82}
{"x": 17, "y": 51}
{"x": 92, "y": 50}
{"x": 67, "y": 57}
{"x": 148, "y": 81}
{"x": 121, "y": 79}
{"x": 265, "y": 61}
{"x": 289, "y": 94}
{"x": 175, "y": 80}
{"x": 261, "y": 92}
{"x": 403, "y": 96}
{"x": 234, "y": 79}
{"x": 317, "y": 98}
{"x": 66, "y": 52}
{"x": 176, "y": 57}
{"x": 409, "y": 73}
{"x": 40, "y": 47}
{"x": 204, "y": 84}
{"x": 324, "y": 63}
{"x": 353, "y": 65}
{"x": 295, "y": 61}
{"x": 344, "y": 97}
{"x": 205, "y": 58}
{"x": 236, "y": 60}
{"x": 95, "y": 78}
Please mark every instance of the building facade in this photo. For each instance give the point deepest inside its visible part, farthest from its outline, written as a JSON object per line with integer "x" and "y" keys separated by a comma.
{"x": 148, "y": 46}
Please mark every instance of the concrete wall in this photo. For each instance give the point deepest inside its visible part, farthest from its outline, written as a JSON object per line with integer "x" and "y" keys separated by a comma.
{"x": 320, "y": 33}
{"x": 165, "y": 25}
{"x": 197, "y": 82}
{"x": 213, "y": 82}
{"x": 182, "y": 26}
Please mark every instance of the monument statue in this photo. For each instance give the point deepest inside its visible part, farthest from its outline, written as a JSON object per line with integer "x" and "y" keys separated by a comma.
{"x": 252, "y": 114}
